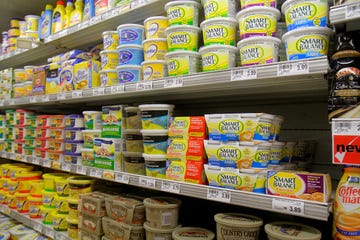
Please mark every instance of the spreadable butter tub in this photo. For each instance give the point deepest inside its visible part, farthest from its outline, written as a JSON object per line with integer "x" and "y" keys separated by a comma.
{"x": 74, "y": 121}
{"x": 92, "y": 120}
{"x": 183, "y": 37}
{"x": 183, "y": 13}
{"x": 152, "y": 70}
{"x": 155, "y": 27}
{"x": 89, "y": 136}
{"x": 155, "y": 49}
{"x": 73, "y": 134}
{"x": 110, "y": 40}
{"x": 156, "y": 116}
{"x": 191, "y": 233}
{"x": 130, "y": 34}
{"x": 219, "y": 8}
{"x": 283, "y": 230}
{"x": 108, "y": 78}
{"x": 130, "y": 54}
{"x": 183, "y": 62}
{"x": 218, "y": 57}
{"x": 219, "y": 31}
{"x": 155, "y": 165}
{"x": 109, "y": 59}
{"x": 129, "y": 73}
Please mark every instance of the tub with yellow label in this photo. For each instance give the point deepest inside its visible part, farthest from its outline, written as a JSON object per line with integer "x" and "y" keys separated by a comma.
{"x": 219, "y": 8}
{"x": 73, "y": 207}
{"x": 62, "y": 186}
{"x": 79, "y": 185}
{"x": 219, "y": 31}
{"x": 258, "y": 50}
{"x": 218, "y": 57}
{"x": 36, "y": 188}
{"x": 12, "y": 186}
{"x": 49, "y": 180}
{"x": 48, "y": 199}
{"x": 155, "y": 27}
{"x": 62, "y": 205}
{"x": 155, "y": 69}
{"x": 183, "y": 37}
{"x": 28, "y": 88}
{"x": 183, "y": 63}
{"x": 110, "y": 40}
{"x": 183, "y": 12}
{"x": 307, "y": 42}
{"x": 22, "y": 204}
{"x": 19, "y": 90}
{"x": 19, "y": 75}
{"x": 32, "y": 22}
{"x": 34, "y": 206}
{"x": 10, "y": 201}
{"x": 258, "y": 21}
{"x": 155, "y": 49}
{"x": 73, "y": 227}
{"x": 47, "y": 214}
{"x": 109, "y": 59}
{"x": 108, "y": 78}
{"x": 25, "y": 179}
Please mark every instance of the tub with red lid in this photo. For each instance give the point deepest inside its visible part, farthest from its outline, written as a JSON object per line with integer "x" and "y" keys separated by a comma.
{"x": 43, "y": 121}
{"x": 55, "y": 145}
{"x": 40, "y": 152}
{"x": 21, "y": 115}
{"x": 57, "y": 121}
{"x": 40, "y": 142}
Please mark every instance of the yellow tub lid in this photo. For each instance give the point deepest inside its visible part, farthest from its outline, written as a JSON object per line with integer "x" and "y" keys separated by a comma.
{"x": 72, "y": 220}
{"x": 34, "y": 199}
{"x": 292, "y": 231}
{"x": 80, "y": 180}
{"x": 28, "y": 174}
{"x": 55, "y": 175}
{"x": 73, "y": 200}
{"x": 17, "y": 194}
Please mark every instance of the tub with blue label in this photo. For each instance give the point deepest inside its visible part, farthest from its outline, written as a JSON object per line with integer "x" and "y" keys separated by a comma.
{"x": 155, "y": 165}
{"x": 155, "y": 116}
{"x": 155, "y": 141}
{"x": 129, "y": 73}
{"x": 131, "y": 34}
{"x": 130, "y": 54}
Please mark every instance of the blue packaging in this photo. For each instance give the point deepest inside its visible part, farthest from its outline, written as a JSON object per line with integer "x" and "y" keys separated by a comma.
{"x": 45, "y": 22}
{"x": 89, "y": 10}
{"x": 130, "y": 54}
{"x": 129, "y": 73}
{"x": 131, "y": 34}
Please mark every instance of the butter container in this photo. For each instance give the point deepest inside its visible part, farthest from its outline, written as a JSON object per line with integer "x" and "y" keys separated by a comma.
{"x": 300, "y": 185}
{"x": 133, "y": 141}
{"x": 91, "y": 224}
{"x": 183, "y": 150}
{"x": 134, "y": 163}
{"x": 175, "y": 170}
{"x": 112, "y": 121}
{"x": 88, "y": 157}
{"x": 66, "y": 79}
{"x": 187, "y": 127}
{"x": 113, "y": 230}
{"x": 94, "y": 203}
{"x": 52, "y": 81}
{"x": 86, "y": 75}
{"x": 107, "y": 153}
{"x": 89, "y": 136}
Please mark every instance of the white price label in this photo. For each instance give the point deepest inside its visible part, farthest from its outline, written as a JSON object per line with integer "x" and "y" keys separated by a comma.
{"x": 1, "y": 103}
{"x": 142, "y": 86}
{"x": 12, "y": 101}
{"x": 115, "y": 12}
{"x": 83, "y": 24}
{"x": 173, "y": 82}
{"x": 292, "y": 68}
{"x": 117, "y": 89}
{"x": 107, "y": 15}
{"x": 243, "y": 74}
{"x": 147, "y": 182}
{"x": 33, "y": 99}
{"x": 95, "y": 19}
{"x": 288, "y": 206}
{"x": 46, "y": 163}
{"x": 77, "y": 94}
{"x": 6, "y": 210}
{"x": 37, "y": 227}
{"x": 66, "y": 167}
{"x": 352, "y": 10}
{"x": 98, "y": 91}
{"x": 61, "y": 96}
{"x": 96, "y": 173}
{"x": 122, "y": 178}
{"x": 81, "y": 170}
{"x": 45, "y": 98}
{"x": 138, "y": 3}
{"x": 219, "y": 195}
{"x": 170, "y": 187}
{"x": 49, "y": 232}
{"x": 61, "y": 236}
{"x": 36, "y": 161}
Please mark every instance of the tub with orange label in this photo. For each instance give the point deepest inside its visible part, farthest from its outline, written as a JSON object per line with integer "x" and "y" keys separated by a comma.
{"x": 22, "y": 204}
{"x": 25, "y": 179}
{"x": 34, "y": 206}
{"x": 36, "y": 188}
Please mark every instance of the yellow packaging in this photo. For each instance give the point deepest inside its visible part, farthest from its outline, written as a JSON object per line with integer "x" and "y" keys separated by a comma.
{"x": 11, "y": 201}
{"x": 155, "y": 27}
{"x": 219, "y": 31}
{"x": 258, "y": 24}
{"x": 182, "y": 62}
{"x": 49, "y": 180}
{"x": 47, "y": 214}
{"x": 108, "y": 78}
{"x": 62, "y": 186}
{"x": 49, "y": 200}
{"x": 73, "y": 207}
{"x": 25, "y": 180}
{"x": 73, "y": 227}
{"x": 155, "y": 49}
{"x": 216, "y": 57}
{"x": 12, "y": 186}
{"x": 110, "y": 40}
{"x": 59, "y": 222}
{"x": 52, "y": 81}
{"x": 79, "y": 185}
{"x": 175, "y": 170}
{"x": 183, "y": 37}
{"x": 32, "y": 22}
{"x": 109, "y": 59}
{"x": 183, "y": 13}
{"x": 219, "y": 8}
{"x": 62, "y": 205}
{"x": 22, "y": 204}
{"x": 34, "y": 207}
{"x": 86, "y": 75}
{"x": 153, "y": 70}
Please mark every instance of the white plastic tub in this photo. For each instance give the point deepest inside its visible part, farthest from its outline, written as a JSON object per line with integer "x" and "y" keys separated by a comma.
{"x": 218, "y": 57}
{"x": 183, "y": 12}
{"x": 192, "y": 233}
{"x": 183, "y": 37}
{"x": 155, "y": 116}
{"x": 182, "y": 62}
{"x": 219, "y": 30}
{"x": 282, "y": 230}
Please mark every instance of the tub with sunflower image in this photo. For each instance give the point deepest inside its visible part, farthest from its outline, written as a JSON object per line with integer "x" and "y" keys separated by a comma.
{"x": 112, "y": 121}
{"x": 106, "y": 151}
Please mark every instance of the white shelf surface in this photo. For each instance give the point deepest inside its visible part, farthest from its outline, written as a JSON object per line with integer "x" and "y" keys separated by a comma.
{"x": 35, "y": 224}
{"x": 84, "y": 34}
{"x": 303, "y": 208}
{"x": 345, "y": 17}
{"x": 279, "y": 80}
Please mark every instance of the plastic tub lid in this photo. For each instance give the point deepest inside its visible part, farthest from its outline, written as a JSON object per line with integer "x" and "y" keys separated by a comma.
{"x": 31, "y": 16}
{"x": 108, "y": 51}
{"x": 130, "y": 25}
{"x": 34, "y": 199}
{"x": 192, "y": 233}
{"x": 238, "y": 220}
{"x": 182, "y": 53}
{"x": 219, "y": 19}
{"x": 159, "y": 230}
{"x": 154, "y": 132}
{"x": 253, "y": 40}
{"x": 175, "y": 3}
{"x": 154, "y": 40}
{"x": 307, "y": 31}
{"x": 154, "y": 157}
{"x": 92, "y": 112}
{"x": 71, "y": 220}
{"x": 288, "y": 2}
{"x": 279, "y": 230}
{"x": 73, "y": 200}
{"x": 74, "y": 129}
{"x": 128, "y": 67}
{"x": 173, "y": 28}
{"x": 256, "y": 9}
{"x": 19, "y": 70}
{"x": 109, "y": 32}
{"x": 155, "y": 18}
{"x": 80, "y": 180}
{"x": 162, "y": 202}
{"x": 156, "y": 107}
{"x": 215, "y": 47}
{"x": 122, "y": 46}
{"x": 55, "y": 175}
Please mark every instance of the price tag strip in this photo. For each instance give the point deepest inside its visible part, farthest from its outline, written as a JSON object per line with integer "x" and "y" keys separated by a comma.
{"x": 220, "y": 195}
{"x": 288, "y": 206}
{"x": 295, "y": 68}
{"x": 352, "y": 10}
{"x": 147, "y": 182}
{"x": 98, "y": 173}
{"x": 81, "y": 170}
{"x": 46, "y": 163}
{"x": 243, "y": 74}
{"x": 122, "y": 178}
{"x": 173, "y": 82}
{"x": 77, "y": 94}
{"x": 66, "y": 167}
{"x": 37, "y": 227}
{"x": 170, "y": 187}
{"x": 98, "y": 91}
{"x": 61, "y": 96}
{"x": 142, "y": 86}
{"x": 117, "y": 89}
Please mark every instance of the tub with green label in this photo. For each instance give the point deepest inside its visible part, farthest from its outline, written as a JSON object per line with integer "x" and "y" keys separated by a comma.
{"x": 218, "y": 57}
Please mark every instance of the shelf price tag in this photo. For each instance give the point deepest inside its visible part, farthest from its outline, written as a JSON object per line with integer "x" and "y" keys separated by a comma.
{"x": 352, "y": 10}
{"x": 77, "y": 94}
{"x": 12, "y": 101}
{"x": 61, "y": 96}
{"x": 35, "y": 160}
{"x": 45, "y": 98}
{"x": 81, "y": 170}
{"x": 173, "y": 82}
{"x": 288, "y": 206}
{"x": 61, "y": 236}
{"x": 142, "y": 86}
{"x": 243, "y": 74}
{"x": 219, "y": 195}
{"x": 46, "y": 163}
{"x": 37, "y": 227}
{"x": 292, "y": 68}
{"x": 147, "y": 182}
{"x": 83, "y": 24}
{"x": 98, "y": 173}
{"x": 95, "y": 19}
{"x": 98, "y": 91}
{"x": 6, "y": 210}
{"x": 122, "y": 178}
{"x": 170, "y": 187}
{"x": 66, "y": 167}
{"x": 117, "y": 89}
{"x": 33, "y": 99}
{"x": 49, "y": 232}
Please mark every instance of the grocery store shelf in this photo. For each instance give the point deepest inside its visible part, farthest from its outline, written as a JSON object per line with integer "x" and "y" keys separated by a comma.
{"x": 37, "y": 225}
{"x": 303, "y": 208}
{"x": 84, "y": 34}
{"x": 292, "y": 79}
{"x": 345, "y": 17}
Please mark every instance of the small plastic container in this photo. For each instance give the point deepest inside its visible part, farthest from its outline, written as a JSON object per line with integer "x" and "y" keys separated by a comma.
{"x": 155, "y": 27}
{"x": 62, "y": 187}
{"x": 21, "y": 115}
{"x": 219, "y": 31}
{"x": 74, "y": 158}
{"x": 47, "y": 215}
{"x": 57, "y": 121}
{"x": 22, "y": 204}
{"x": 132, "y": 118}
{"x": 79, "y": 185}
{"x": 49, "y": 180}
{"x": 219, "y": 8}
{"x": 92, "y": 120}
{"x": 183, "y": 62}
{"x": 129, "y": 73}
{"x": 155, "y": 116}
{"x": 25, "y": 179}
{"x": 155, "y": 165}
{"x": 108, "y": 78}
{"x": 218, "y": 57}
{"x": 40, "y": 142}
{"x": 190, "y": 233}
{"x": 110, "y": 40}
{"x": 162, "y": 212}
{"x": 19, "y": 90}
{"x": 276, "y": 153}
{"x": 57, "y": 133}
{"x": 57, "y": 156}
{"x": 34, "y": 207}
{"x": 155, "y": 49}
{"x": 48, "y": 199}
{"x": 59, "y": 222}
{"x": 19, "y": 75}
{"x": 29, "y": 72}
{"x": 73, "y": 227}
{"x": 89, "y": 136}
{"x": 74, "y": 134}
{"x": 133, "y": 141}
{"x": 28, "y": 88}
{"x": 130, "y": 54}
{"x": 43, "y": 121}
{"x": 62, "y": 205}
{"x": 109, "y": 59}
{"x": 183, "y": 37}
{"x": 156, "y": 233}
{"x": 280, "y": 231}
{"x": 155, "y": 141}
{"x": 183, "y": 13}
{"x": 74, "y": 121}
{"x": 153, "y": 70}
{"x": 116, "y": 230}
{"x": 253, "y": 3}
{"x": 130, "y": 34}
{"x": 30, "y": 121}
{"x": 36, "y": 188}
{"x": 134, "y": 163}
{"x": 74, "y": 147}
{"x": 88, "y": 157}
{"x": 40, "y": 152}
{"x": 73, "y": 207}
{"x": 55, "y": 145}
{"x": 32, "y": 22}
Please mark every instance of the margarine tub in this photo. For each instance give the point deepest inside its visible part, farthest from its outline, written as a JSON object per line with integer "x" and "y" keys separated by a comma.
{"x": 108, "y": 78}
{"x": 155, "y": 141}
{"x": 133, "y": 141}
{"x": 73, "y": 227}
{"x": 183, "y": 37}
{"x": 155, "y": 27}
{"x": 155, "y": 49}
{"x": 47, "y": 214}
{"x": 4, "y": 235}
{"x": 291, "y": 231}
{"x": 110, "y": 40}
{"x": 134, "y": 163}
{"x": 73, "y": 207}
{"x": 28, "y": 88}
{"x": 155, "y": 165}
{"x": 307, "y": 42}
{"x": 243, "y": 224}
{"x": 74, "y": 134}
{"x": 36, "y": 188}
{"x": 158, "y": 207}
{"x": 79, "y": 185}
{"x": 219, "y": 30}
{"x": 276, "y": 153}
{"x": 25, "y": 179}
{"x": 130, "y": 34}
{"x": 129, "y": 73}
{"x": 19, "y": 75}
{"x": 192, "y": 233}
{"x": 152, "y": 70}
{"x": 10, "y": 201}
{"x": 90, "y": 135}
{"x": 183, "y": 12}
{"x": 74, "y": 121}
{"x": 305, "y": 13}
{"x": 109, "y": 59}
{"x": 62, "y": 205}
{"x": 92, "y": 120}
{"x": 32, "y": 22}
{"x": 183, "y": 62}
{"x": 59, "y": 222}
{"x": 48, "y": 199}
{"x": 258, "y": 50}
{"x": 156, "y": 116}
{"x": 34, "y": 206}
{"x": 49, "y": 180}
{"x": 219, "y": 8}
{"x": 258, "y": 21}
{"x": 20, "y": 231}
{"x": 88, "y": 157}
{"x": 218, "y": 57}
{"x": 62, "y": 186}
{"x": 158, "y": 233}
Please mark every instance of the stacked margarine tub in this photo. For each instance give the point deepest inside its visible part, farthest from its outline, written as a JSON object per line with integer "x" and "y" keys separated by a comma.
{"x": 92, "y": 124}
{"x": 109, "y": 59}
{"x": 183, "y": 36}
{"x": 6, "y": 78}
{"x": 74, "y": 125}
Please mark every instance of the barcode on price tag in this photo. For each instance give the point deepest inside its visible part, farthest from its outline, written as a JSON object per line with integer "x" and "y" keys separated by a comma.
{"x": 142, "y": 86}
{"x": 170, "y": 187}
{"x": 66, "y": 167}
{"x": 117, "y": 89}
{"x": 219, "y": 195}
{"x": 98, "y": 91}
{"x": 61, "y": 96}
{"x": 45, "y": 98}
{"x": 81, "y": 170}
{"x": 243, "y": 74}
{"x": 33, "y": 100}
{"x": 288, "y": 206}
{"x": 138, "y": 3}
{"x": 96, "y": 173}
{"x": 122, "y": 178}
{"x": 36, "y": 161}
{"x": 348, "y": 126}
{"x": 49, "y": 232}
{"x": 37, "y": 227}
{"x": 7, "y": 210}
{"x": 352, "y": 10}
{"x": 77, "y": 94}
{"x": 147, "y": 182}
{"x": 46, "y": 163}
{"x": 173, "y": 82}
{"x": 96, "y": 19}
{"x": 292, "y": 68}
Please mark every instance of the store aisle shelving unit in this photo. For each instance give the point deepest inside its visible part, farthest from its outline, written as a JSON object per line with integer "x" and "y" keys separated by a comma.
{"x": 345, "y": 17}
